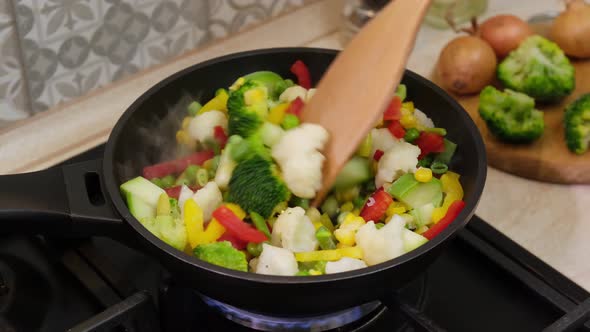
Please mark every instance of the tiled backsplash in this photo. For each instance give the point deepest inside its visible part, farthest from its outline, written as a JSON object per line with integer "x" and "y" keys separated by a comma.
{"x": 58, "y": 50}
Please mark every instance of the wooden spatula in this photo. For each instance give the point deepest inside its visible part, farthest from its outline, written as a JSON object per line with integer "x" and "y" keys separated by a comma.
{"x": 356, "y": 89}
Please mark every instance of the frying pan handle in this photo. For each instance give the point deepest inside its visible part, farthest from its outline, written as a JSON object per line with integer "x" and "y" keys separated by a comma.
{"x": 66, "y": 201}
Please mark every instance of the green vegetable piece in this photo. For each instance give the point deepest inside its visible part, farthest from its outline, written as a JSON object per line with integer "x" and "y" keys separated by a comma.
{"x": 174, "y": 208}
{"x": 212, "y": 169}
{"x": 538, "y": 68}
{"x": 426, "y": 161}
{"x": 379, "y": 225}
{"x": 157, "y": 182}
{"x": 402, "y": 185}
{"x": 260, "y": 224}
{"x": 577, "y": 125}
{"x": 193, "y": 108}
{"x": 356, "y": 171}
{"x": 358, "y": 202}
{"x": 182, "y": 179}
{"x": 245, "y": 120}
{"x": 290, "y": 121}
{"x": 220, "y": 91}
{"x": 446, "y": 156}
{"x": 438, "y": 131}
{"x": 422, "y": 215}
{"x": 327, "y": 222}
{"x": 168, "y": 181}
{"x": 416, "y": 194}
{"x": 412, "y": 240}
{"x": 222, "y": 254}
{"x": 510, "y": 115}
{"x": 302, "y": 273}
{"x": 255, "y": 186}
{"x": 330, "y": 206}
{"x": 142, "y": 196}
{"x": 347, "y": 194}
{"x": 438, "y": 167}
{"x": 191, "y": 173}
{"x": 254, "y": 249}
{"x": 301, "y": 202}
{"x": 325, "y": 238}
{"x": 411, "y": 135}
{"x": 273, "y": 82}
{"x": 401, "y": 91}
{"x": 172, "y": 231}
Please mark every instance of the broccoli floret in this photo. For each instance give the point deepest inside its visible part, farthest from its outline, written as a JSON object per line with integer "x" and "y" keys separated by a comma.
{"x": 510, "y": 115}
{"x": 577, "y": 125}
{"x": 222, "y": 254}
{"x": 539, "y": 69}
{"x": 247, "y": 107}
{"x": 256, "y": 187}
{"x": 273, "y": 82}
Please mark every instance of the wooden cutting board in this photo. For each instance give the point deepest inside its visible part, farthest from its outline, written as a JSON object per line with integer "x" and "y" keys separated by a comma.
{"x": 548, "y": 158}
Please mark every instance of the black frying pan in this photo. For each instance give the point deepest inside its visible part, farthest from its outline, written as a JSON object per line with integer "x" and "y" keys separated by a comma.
{"x": 84, "y": 199}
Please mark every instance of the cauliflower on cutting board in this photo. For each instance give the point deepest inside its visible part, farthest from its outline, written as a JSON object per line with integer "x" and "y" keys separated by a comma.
{"x": 202, "y": 126}
{"x": 344, "y": 264}
{"x": 401, "y": 158}
{"x": 380, "y": 245}
{"x": 275, "y": 261}
{"x": 209, "y": 198}
{"x": 294, "y": 231}
{"x": 298, "y": 153}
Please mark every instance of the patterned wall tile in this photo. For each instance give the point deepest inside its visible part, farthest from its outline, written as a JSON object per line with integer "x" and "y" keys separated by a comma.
{"x": 14, "y": 102}
{"x": 71, "y": 47}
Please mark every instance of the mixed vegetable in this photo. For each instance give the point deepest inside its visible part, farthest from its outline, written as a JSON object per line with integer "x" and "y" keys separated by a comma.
{"x": 241, "y": 198}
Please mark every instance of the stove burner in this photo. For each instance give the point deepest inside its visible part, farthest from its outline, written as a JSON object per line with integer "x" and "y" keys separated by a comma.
{"x": 271, "y": 323}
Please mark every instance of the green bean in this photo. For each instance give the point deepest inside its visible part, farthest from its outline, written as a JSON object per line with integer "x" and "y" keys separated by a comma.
{"x": 438, "y": 131}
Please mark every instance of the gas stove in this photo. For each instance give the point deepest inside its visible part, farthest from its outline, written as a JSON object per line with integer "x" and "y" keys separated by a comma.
{"x": 482, "y": 282}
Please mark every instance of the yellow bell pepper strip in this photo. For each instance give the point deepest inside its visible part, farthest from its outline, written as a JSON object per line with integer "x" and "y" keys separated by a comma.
{"x": 260, "y": 223}
{"x": 453, "y": 191}
{"x": 277, "y": 113}
{"x": 193, "y": 221}
{"x": 218, "y": 103}
{"x": 213, "y": 231}
{"x": 395, "y": 208}
{"x": 329, "y": 255}
{"x": 347, "y": 231}
{"x": 163, "y": 206}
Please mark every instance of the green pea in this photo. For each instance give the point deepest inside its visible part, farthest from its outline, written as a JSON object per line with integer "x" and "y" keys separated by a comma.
{"x": 191, "y": 172}
{"x": 411, "y": 135}
{"x": 425, "y": 162}
{"x": 168, "y": 181}
{"x": 193, "y": 108}
{"x": 358, "y": 202}
{"x": 379, "y": 225}
{"x": 290, "y": 121}
{"x": 157, "y": 182}
{"x": 254, "y": 249}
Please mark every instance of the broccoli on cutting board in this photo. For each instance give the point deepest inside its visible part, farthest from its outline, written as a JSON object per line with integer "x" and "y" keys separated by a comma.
{"x": 538, "y": 68}
{"x": 510, "y": 116}
{"x": 577, "y": 125}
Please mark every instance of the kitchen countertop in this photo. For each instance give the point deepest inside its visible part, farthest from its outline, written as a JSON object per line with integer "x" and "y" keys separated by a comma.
{"x": 549, "y": 220}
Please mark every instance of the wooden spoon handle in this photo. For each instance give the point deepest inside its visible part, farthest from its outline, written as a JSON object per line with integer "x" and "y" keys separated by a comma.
{"x": 363, "y": 78}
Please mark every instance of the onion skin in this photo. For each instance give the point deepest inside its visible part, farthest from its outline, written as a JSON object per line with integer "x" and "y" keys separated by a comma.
{"x": 571, "y": 29}
{"x": 504, "y": 33}
{"x": 466, "y": 65}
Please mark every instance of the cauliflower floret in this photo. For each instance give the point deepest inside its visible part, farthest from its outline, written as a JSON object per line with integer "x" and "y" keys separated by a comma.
{"x": 209, "y": 198}
{"x": 344, "y": 264}
{"x": 423, "y": 119}
{"x": 298, "y": 154}
{"x": 399, "y": 159}
{"x": 225, "y": 169}
{"x": 202, "y": 126}
{"x": 380, "y": 245}
{"x": 185, "y": 193}
{"x": 292, "y": 92}
{"x": 275, "y": 261}
{"x": 382, "y": 139}
{"x": 293, "y": 230}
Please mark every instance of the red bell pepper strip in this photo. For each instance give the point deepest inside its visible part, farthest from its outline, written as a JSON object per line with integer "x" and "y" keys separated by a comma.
{"x": 296, "y": 107}
{"x": 235, "y": 242}
{"x": 396, "y": 129}
{"x": 300, "y": 70}
{"x": 220, "y": 136}
{"x": 428, "y": 143}
{"x": 376, "y": 206}
{"x": 378, "y": 154}
{"x": 176, "y": 166}
{"x": 237, "y": 227}
{"x": 452, "y": 213}
{"x": 394, "y": 110}
{"x": 174, "y": 192}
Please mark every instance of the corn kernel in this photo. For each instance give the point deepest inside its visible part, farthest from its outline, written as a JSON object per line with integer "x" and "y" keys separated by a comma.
{"x": 255, "y": 96}
{"x": 185, "y": 122}
{"x": 408, "y": 106}
{"x": 395, "y": 208}
{"x": 347, "y": 207}
{"x": 408, "y": 121}
{"x": 182, "y": 137}
{"x": 423, "y": 174}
